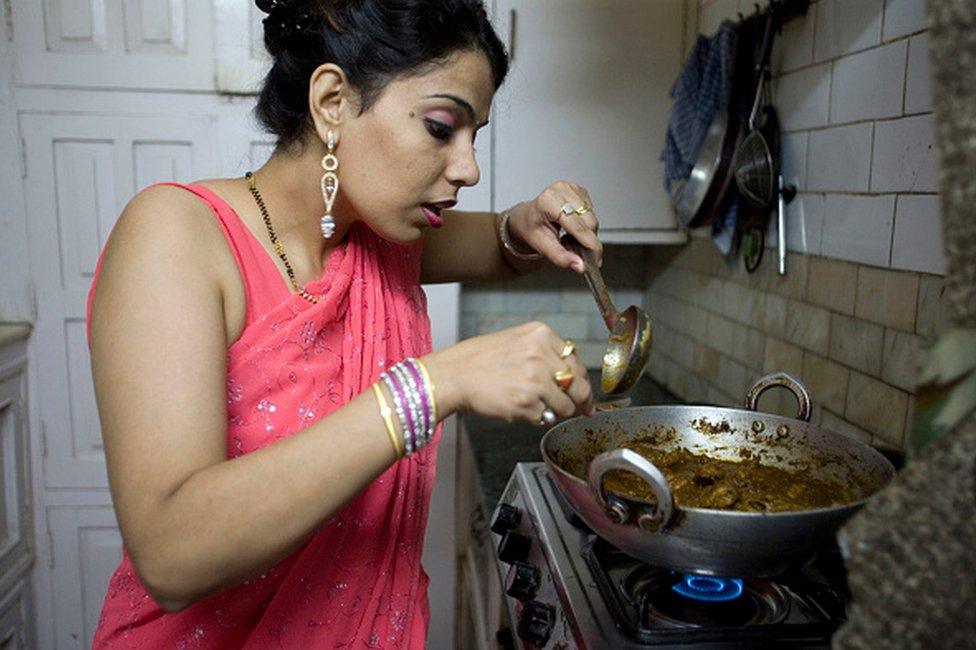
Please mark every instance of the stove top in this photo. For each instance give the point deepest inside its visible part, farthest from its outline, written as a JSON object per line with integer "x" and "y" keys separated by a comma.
{"x": 567, "y": 587}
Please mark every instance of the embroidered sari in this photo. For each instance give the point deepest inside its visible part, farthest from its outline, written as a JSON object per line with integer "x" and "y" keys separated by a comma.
{"x": 358, "y": 582}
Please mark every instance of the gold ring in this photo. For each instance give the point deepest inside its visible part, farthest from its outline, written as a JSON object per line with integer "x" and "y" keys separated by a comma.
{"x": 583, "y": 209}
{"x": 568, "y": 348}
{"x": 564, "y": 379}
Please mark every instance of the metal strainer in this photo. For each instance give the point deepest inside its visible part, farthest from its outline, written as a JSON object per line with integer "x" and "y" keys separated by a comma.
{"x": 754, "y": 162}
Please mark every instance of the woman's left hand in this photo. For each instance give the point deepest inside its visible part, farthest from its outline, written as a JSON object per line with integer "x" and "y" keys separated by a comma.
{"x": 536, "y": 223}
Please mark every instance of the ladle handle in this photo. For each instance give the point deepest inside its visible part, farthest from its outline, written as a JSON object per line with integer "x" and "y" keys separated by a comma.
{"x": 595, "y": 279}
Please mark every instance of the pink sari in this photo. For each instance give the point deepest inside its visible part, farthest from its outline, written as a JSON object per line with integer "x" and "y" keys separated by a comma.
{"x": 358, "y": 582}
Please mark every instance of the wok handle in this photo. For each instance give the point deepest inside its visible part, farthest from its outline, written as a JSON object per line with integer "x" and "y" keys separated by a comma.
{"x": 650, "y": 519}
{"x": 787, "y": 381}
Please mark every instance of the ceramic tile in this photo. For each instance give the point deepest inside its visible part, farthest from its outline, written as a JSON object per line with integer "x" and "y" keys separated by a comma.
{"x": 793, "y": 149}
{"x": 712, "y": 15}
{"x": 804, "y": 227}
{"x": 856, "y": 344}
{"x": 781, "y": 355}
{"x": 840, "y": 159}
{"x": 837, "y": 424}
{"x": 532, "y": 301}
{"x": 918, "y": 83}
{"x": 568, "y": 326}
{"x": 845, "y": 26}
{"x": 808, "y": 326}
{"x": 858, "y": 228}
{"x": 903, "y": 17}
{"x": 832, "y": 284}
{"x": 803, "y": 98}
{"x": 887, "y": 297}
{"x": 904, "y": 158}
{"x": 868, "y": 85}
{"x": 918, "y": 244}
{"x": 733, "y": 378}
{"x": 900, "y": 364}
{"x": 739, "y": 302}
{"x": 931, "y": 318}
{"x": 719, "y": 333}
{"x": 794, "y": 46}
{"x": 706, "y": 362}
{"x": 772, "y": 315}
{"x": 877, "y": 407}
{"x": 748, "y": 346}
{"x": 826, "y": 380}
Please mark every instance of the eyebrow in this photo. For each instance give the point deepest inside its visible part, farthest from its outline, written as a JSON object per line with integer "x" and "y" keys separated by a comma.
{"x": 468, "y": 108}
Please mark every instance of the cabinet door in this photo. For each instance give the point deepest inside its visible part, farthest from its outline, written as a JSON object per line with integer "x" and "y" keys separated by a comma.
{"x": 241, "y": 59}
{"x": 114, "y": 43}
{"x": 587, "y": 101}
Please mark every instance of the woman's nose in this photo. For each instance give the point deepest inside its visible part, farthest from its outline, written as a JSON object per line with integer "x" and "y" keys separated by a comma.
{"x": 463, "y": 169}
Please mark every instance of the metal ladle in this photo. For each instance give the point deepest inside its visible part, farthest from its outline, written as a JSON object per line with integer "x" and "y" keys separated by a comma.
{"x": 630, "y": 330}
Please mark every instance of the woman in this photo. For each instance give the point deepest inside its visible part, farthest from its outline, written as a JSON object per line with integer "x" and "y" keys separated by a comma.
{"x": 261, "y": 349}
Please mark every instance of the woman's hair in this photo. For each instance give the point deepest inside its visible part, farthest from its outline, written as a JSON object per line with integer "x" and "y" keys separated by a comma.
{"x": 373, "y": 41}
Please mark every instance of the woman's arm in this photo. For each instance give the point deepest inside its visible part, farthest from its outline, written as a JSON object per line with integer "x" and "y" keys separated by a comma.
{"x": 193, "y": 521}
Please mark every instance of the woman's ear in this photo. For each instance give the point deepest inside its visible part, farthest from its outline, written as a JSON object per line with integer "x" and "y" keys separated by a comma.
{"x": 328, "y": 98}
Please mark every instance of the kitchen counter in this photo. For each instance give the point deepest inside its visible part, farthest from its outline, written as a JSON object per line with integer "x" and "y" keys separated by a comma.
{"x": 497, "y": 446}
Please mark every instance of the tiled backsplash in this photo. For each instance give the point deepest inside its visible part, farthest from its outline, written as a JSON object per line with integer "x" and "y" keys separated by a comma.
{"x": 561, "y": 299}
{"x": 853, "y": 92}
{"x": 863, "y": 289}
{"x": 850, "y": 332}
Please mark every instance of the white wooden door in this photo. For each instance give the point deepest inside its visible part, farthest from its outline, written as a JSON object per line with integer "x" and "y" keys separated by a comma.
{"x": 587, "y": 100}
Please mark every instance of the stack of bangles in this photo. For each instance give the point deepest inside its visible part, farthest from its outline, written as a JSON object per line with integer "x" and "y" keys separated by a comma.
{"x": 413, "y": 404}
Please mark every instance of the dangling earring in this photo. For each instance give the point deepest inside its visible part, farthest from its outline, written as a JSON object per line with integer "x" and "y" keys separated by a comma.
{"x": 330, "y": 185}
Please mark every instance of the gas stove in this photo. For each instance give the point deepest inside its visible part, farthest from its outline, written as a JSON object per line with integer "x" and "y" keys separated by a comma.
{"x": 568, "y": 588}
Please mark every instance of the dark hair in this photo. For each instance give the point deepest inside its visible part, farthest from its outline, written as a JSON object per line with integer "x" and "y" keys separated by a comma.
{"x": 373, "y": 41}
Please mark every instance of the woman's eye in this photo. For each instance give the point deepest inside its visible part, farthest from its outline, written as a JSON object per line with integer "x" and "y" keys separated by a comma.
{"x": 437, "y": 129}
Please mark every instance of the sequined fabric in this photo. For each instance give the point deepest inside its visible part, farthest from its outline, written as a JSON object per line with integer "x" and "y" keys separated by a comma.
{"x": 358, "y": 582}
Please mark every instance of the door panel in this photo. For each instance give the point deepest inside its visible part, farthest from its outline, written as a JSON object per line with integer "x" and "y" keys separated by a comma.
{"x": 82, "y": 170}
{"x": 87, "y": 545}
{"x": 114, "y": 43}
{"x": 16, "y": 545}
{"x": 15, "y": 619}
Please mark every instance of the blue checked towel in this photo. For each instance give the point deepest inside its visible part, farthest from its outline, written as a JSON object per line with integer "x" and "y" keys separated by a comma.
{"x": 701, "y": 90}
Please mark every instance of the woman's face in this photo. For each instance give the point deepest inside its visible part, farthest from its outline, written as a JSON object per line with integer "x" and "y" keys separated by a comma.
{"x": 414, "y": 148}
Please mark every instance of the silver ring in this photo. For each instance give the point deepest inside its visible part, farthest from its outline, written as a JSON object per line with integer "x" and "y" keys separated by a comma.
{"x": 567, "y": 209}
{"x": 548, "y": 418}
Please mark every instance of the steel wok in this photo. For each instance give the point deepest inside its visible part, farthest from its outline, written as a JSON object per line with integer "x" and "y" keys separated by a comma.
{"x": 700, "y": 540}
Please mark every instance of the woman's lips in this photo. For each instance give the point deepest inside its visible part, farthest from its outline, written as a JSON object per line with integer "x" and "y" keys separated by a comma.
{"x": 433, "y": 215}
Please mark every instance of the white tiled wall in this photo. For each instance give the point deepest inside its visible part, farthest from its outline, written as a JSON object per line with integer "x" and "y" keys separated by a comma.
{"x": 853, "y": 89}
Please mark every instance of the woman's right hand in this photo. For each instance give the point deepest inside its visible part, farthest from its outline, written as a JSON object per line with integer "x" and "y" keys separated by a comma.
{"x": 510, "y": 375}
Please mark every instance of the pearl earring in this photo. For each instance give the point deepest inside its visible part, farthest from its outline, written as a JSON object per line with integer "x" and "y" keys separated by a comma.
{"x": 330, "y": 186}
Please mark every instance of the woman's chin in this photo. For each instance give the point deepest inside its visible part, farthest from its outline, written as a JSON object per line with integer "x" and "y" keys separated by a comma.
{"x": 404, "y": 235}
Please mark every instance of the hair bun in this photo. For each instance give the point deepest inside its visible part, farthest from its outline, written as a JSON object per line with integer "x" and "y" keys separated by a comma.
{"x": 285, "y": 19}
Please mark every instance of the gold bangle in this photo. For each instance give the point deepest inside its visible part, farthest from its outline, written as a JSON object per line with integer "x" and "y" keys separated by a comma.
{"x": 385, "y": 412}
{"x": 430, "y": 389}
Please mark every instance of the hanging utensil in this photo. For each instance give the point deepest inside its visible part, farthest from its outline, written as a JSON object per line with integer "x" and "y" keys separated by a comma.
{"x": 630, "y": 330}
{"x": 753, "y": 160}
{"x": 756, "y": 161}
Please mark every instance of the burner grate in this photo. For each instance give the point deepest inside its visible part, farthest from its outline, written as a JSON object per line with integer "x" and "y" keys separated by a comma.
{"x": 648, "y": 603}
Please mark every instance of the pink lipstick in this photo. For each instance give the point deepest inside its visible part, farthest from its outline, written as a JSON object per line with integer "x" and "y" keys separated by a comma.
{"x": 433, "y": 215}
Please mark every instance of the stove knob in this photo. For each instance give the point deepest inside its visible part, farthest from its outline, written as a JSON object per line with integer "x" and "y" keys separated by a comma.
{"x": 522, "y": 581}
{"x": 514, "y": 546}
{"x": 536, "y": 623}
{"x": 506, "y": 518}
